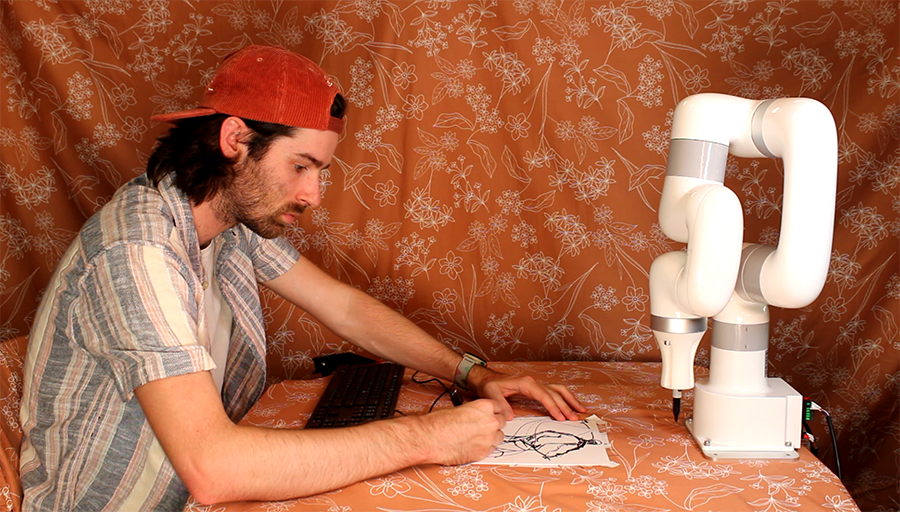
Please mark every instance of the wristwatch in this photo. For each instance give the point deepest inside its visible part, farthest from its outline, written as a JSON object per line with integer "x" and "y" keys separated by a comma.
{"x": 463, "y": 369}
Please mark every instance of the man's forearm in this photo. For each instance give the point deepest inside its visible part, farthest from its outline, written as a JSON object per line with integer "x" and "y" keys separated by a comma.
{"x": 266, "y": 464}
{"x": 220, "y": 461}
{"x": 409, "y": 345}
{"x": 363, "y": 320}
{"x": 386, "y": 333}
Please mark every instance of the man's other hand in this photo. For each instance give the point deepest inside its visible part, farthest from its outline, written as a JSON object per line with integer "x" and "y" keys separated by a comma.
{"x": 556, "y": 398}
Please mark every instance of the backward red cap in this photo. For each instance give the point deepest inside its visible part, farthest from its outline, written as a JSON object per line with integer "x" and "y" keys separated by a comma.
{"x": 272, "y": 85}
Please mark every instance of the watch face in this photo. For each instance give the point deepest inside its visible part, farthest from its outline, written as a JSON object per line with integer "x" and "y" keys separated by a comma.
{"x": 474, "y": 359}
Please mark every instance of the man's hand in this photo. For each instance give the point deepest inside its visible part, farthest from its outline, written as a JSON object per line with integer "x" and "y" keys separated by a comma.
{"x": 464, "y": 434}
{"x": 557, "y": 399}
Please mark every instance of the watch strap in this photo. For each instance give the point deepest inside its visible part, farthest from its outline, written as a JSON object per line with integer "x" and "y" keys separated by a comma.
{"x": 460, "y": 378}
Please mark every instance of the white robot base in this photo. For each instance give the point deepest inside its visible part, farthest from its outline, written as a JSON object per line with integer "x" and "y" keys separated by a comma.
{"x": 763, "y": 426}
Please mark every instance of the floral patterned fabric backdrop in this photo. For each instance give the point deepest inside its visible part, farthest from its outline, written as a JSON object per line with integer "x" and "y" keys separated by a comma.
{"x": 500, "y": 172}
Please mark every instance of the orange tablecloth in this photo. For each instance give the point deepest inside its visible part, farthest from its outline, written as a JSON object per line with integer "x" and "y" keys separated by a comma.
{"x": 660, "y": 467}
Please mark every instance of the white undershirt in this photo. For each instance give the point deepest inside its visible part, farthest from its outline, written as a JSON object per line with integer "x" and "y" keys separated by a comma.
{"x": 218, "y": 315}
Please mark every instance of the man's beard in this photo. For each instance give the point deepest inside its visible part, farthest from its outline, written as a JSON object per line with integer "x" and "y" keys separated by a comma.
{"x": 249, "y": 199}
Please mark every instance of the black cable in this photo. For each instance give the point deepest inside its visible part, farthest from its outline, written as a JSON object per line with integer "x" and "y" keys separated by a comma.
{"x": 447, "y": 391}
{"x": 837, "y": 457}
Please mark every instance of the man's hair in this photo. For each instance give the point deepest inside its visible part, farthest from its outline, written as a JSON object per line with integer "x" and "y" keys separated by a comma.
{"x": 191, "y": 151}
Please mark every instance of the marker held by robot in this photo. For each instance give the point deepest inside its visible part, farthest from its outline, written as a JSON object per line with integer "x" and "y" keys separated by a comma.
{"x": 676, "y": 403}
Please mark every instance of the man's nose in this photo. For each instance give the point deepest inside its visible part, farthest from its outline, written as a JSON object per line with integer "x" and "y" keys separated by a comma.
{"x": 309, "y": 192}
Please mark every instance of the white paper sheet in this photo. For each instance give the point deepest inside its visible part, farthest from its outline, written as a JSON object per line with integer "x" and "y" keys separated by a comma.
{"x": 542, "y": 441}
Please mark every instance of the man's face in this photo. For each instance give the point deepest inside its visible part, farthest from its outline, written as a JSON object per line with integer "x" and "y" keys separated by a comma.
{"x": 269, "y": 194}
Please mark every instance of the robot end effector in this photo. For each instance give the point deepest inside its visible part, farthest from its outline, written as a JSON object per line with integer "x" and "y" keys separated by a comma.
{"x": 687, "y": 287}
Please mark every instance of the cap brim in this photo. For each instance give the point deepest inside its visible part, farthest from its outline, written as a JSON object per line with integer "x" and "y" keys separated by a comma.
{"x": 171, "y": 117}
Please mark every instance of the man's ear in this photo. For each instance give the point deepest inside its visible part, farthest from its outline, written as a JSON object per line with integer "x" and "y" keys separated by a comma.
{"x": 230, "y": 136}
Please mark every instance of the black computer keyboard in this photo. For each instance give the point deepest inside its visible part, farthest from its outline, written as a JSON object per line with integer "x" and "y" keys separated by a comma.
{"x": 358, "y": 393}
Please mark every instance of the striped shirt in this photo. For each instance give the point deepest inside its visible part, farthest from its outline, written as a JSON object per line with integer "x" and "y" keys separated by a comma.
{"x": 125, "y": 307}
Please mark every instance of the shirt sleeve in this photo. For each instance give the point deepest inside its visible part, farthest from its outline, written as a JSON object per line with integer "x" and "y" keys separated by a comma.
{"x": 271, "y": 257}
{"x": 141, "y": 304}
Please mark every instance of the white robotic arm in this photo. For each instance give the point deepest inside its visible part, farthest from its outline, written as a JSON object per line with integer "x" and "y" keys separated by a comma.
{"x": 719, "y": 276}
{"x": 696, "y": 208}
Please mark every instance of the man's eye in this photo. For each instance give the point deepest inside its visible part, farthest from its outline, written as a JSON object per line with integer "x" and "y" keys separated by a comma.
{"x": 299, "y": 168}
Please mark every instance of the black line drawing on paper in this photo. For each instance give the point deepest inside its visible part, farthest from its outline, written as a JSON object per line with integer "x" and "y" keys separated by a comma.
{"x": 548, "y": 439}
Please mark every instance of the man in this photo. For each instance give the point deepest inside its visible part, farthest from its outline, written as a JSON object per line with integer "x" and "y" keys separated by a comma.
{"x": 149, "y": 344}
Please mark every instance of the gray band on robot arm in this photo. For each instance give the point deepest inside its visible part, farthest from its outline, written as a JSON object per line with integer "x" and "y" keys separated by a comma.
{"x": 748, "y": 285}
{"x": 677, "y": 325}
{"x": 697, "y": 159}
{"x": 756, "y": 128}
{"x": 738, "y": 337}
